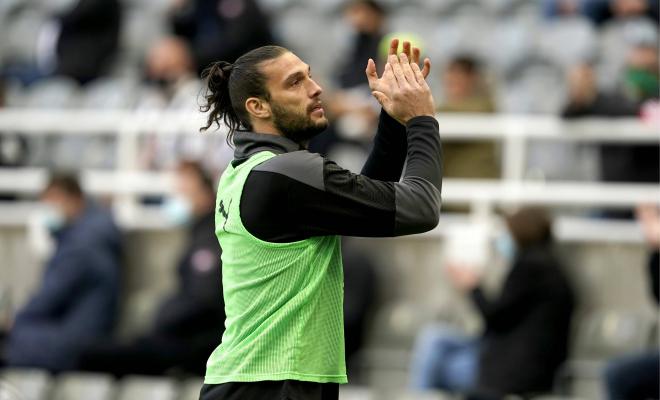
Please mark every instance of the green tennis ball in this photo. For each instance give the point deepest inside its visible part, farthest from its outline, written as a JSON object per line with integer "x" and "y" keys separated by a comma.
{"x": 384, "y": 45}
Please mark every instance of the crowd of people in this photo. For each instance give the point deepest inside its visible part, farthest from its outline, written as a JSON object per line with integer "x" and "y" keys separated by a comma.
{"x": 68, "y": 322}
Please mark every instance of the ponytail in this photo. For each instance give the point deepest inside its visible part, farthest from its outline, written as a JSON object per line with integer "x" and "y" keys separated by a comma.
{"x": 228, "y": 86}
{"x": 218, "y": 101}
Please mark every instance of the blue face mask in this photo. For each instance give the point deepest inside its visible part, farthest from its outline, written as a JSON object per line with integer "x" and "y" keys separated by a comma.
{"x": 505, "y": 246}
{"x": 178, "y": 210}
{"x": 52, "y": 218}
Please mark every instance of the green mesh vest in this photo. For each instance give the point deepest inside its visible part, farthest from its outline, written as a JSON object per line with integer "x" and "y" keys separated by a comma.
{"x": 284, "y": 301}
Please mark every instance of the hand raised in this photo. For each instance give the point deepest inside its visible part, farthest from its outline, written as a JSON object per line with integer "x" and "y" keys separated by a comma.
{"x": 382, "y": 84}
{"x": 404, "y": 92}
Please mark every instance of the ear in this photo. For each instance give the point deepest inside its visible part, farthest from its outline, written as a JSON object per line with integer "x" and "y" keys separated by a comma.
{"x": 258, "y": 108}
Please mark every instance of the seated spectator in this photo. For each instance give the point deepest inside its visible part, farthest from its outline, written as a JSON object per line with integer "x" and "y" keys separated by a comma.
{"x": 525, "y": 338}
{"x": 464, "y": 90}
{"x": 586, "y": 100}
{"x": 189, "y": 322}
{"x": 219, "y": 29}
{"x": 77, "y": 299}
{"x": 88, "y": 39}
{"x": 603, "y": 11}
{"x": 637, "y": 376}
{"x": 619, "y": 162}
{"x": 169, "y": 66}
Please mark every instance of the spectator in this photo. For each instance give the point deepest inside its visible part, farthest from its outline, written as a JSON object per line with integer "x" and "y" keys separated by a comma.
{"x": 188, "y": 322}
{"x": 637, "y": 376}
{"x": 169, "y": 66}
{"x": 219, "y": 29}
{"x": 88, "y": 39}
{"x": 618, "y": 163}
{"x": 464, "y": 90}
{"x": 584, "y": 98}
{"x": 642, "y": 72}
{"x": 77, "y": 299}
{"x": 526, "y": 328}
{"x": 603, "y": 11}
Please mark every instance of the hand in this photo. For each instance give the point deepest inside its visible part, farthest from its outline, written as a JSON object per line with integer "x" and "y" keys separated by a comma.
{"x": 404, "y": 93}
{"x": 463, "y": 277}
{"x": 379, "y": 84}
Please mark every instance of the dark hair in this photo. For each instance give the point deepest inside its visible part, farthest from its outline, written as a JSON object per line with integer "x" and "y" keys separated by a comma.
{"x": 371, "y": 4}
{"x": 196, "y": 168}
{"x": 66, "y": 182}
{"x": 530, "y": 226}
{"x": 228, "y": 86}
{"x": 465, "y": 63}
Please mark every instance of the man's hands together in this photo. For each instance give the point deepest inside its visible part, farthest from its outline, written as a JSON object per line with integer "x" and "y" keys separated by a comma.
{"x": 402, "y": 90}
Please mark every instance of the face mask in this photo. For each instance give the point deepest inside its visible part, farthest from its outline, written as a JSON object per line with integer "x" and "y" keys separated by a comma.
{"x": 178, "y": 210}
{"x": 52, "y": 218}
{"x": 505, "y": 246}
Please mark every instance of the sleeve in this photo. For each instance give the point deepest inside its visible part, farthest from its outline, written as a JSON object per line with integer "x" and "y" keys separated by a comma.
{"x": 298, "y": 195}
{"x": 515, "y": 300}
{"x": 388, "y": 155}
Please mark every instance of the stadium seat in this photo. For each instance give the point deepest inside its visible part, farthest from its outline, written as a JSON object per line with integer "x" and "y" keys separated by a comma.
{"x": 352, "y": 392}
{"x": 514, "y": 40}
{"x": 190, "y": 389}
{"x": 52, "y": 93}
{"x": 25, "y": 384}
{"x": 83, "y": 386}
{"x": 568, "y": 41}
{"x": 152, "y": 388}
{"x": 22, "y": 35}
{"x": 605, "y": 334}
{"x": 536, "y": 86}
{"x": 109, "y": 93}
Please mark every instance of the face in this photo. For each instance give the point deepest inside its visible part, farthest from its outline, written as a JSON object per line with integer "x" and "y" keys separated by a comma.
{"x": 458, "y": 83}
{"x": 61, "y": 203}
{"x": 295, "y": 104}
{"x": 188, "y": 186}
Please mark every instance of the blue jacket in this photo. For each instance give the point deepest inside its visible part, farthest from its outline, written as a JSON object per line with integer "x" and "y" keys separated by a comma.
{"x": 77, "y": 299}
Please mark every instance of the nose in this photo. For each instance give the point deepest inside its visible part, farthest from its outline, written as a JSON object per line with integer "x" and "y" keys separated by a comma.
{"x": 315, "y": 89}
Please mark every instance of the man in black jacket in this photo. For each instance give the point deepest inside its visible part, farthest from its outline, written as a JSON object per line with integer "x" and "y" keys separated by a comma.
{"x": 188, "y": 322}
{"x": 526, "y": 326}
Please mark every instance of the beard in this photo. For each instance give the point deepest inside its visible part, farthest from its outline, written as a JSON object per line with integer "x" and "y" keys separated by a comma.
{"x": 296, "y": 126}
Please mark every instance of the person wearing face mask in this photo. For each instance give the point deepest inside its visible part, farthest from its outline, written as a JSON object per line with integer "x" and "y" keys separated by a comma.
{"x": 526, "y": 327}
{"x": 76, "y": 301}
{"x": 187, "y": 322}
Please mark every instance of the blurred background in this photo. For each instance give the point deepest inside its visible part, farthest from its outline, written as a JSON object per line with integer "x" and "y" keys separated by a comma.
{"x": 540, "y": 282}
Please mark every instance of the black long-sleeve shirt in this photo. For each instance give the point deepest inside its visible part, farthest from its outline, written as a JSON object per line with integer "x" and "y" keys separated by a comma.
{"x": 297, "y": 194}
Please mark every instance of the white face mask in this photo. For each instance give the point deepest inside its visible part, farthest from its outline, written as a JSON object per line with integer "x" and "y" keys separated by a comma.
{"x": 178, "y": 210}
{"x": 506, "y": 246}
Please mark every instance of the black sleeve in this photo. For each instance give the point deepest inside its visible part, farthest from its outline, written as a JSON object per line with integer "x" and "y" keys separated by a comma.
{"x": 298, "y": 195}
{"x": 388, "y": 156}
{"x": 516, "y": 299}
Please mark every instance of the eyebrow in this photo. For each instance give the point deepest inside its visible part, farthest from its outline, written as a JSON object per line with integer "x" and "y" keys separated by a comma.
{"x": 295, "y": 75}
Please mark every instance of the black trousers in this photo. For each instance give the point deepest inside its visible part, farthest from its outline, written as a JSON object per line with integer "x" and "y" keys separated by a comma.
{"x": 271, "y": 390}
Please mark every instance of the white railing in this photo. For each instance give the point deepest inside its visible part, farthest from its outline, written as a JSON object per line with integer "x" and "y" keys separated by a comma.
{"x": 127, "y": 182}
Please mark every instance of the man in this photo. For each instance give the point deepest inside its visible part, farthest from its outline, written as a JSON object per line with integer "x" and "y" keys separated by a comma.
{"x": 280, "y": 208}
{"x": 526, "y": 327}
{"x": 77, "y": 299}
{"x": 189, "y": 321}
